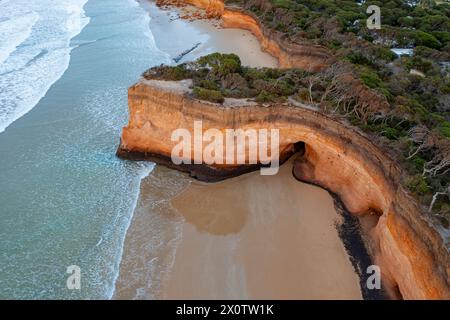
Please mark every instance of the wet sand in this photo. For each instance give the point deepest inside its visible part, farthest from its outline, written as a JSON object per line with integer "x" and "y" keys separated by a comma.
{"x": 251, "y": 237}
{"x": 174, "y": 36}
{"x": 260, "y": 237}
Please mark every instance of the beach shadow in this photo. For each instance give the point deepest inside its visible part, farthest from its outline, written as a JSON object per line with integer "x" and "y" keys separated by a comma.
{"x": 219, "y": 208}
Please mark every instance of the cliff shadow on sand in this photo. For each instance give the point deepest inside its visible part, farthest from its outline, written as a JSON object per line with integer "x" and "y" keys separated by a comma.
{"x": 337, "y": 156}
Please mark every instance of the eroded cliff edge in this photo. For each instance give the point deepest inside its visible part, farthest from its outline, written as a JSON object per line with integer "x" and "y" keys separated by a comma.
{"x": 300, "y": 55}
{"x": 337, "y": 157}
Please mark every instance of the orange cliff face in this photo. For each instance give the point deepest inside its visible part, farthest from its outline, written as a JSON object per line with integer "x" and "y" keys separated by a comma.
{"x": 411, "y": 254}
{"x": 305, "y": 56}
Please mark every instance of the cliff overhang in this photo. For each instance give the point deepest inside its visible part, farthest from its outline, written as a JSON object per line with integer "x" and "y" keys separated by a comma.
{"x": 304, "y": 55}
{"x": 411, "y": 254}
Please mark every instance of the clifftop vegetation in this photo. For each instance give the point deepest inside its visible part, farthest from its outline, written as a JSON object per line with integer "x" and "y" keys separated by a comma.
{"x": 402, "y": 102}
{"x": 404, "y": 22}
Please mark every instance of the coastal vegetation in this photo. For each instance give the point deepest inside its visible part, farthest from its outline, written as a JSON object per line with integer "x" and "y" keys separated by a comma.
{"x": 402, "y": 102}
{"x": 404, "y": 23}
{"x": 401, "y": 119}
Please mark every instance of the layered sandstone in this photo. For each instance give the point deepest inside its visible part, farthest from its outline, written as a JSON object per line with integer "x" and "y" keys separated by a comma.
{"x": 411, "y": 254}
{"x": 300, "y": 55}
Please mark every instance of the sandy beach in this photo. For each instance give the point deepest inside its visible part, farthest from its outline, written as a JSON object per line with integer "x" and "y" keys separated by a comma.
{"x": 174, "y": 35}
{"x": 251, "y": 237}
{"x": 260, "y": 237}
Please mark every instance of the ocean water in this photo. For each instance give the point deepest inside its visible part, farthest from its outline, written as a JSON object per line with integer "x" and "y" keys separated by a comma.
{"x": 65, "y": 198}
{"x": 34, "y": 39}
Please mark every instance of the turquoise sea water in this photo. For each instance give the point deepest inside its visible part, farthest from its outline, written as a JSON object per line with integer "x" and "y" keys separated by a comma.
{"x": 65, "y": 199}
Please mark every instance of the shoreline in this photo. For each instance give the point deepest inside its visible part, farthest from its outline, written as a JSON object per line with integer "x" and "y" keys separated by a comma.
{"x": 186, "y": 33}
{"x": 22, "y": 105}
{"x": 66, "y": 199}
{"x": 148, "y": 170}
{"x": 403, "y": 241}
{"x": 129, "y": 285}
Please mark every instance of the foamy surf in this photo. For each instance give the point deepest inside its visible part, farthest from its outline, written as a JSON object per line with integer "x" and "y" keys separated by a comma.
{"x": 66, "y": 198}
{"x": 146, "y": 170}
{"x": 13, "y": 31}
{"x": 147, "y": 167}
{"x": 34, "y": 50}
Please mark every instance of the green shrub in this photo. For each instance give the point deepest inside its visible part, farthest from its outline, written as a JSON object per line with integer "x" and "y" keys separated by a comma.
{"x": 444, "y": 129}
{"x": 283, "y": 3}
{"x": 385, "y": 54}
{"x": 209, "y": 84}
{"x": 253, "y": 73}
{"x": 358, "y": 58}
{"x": 170, "y": 73}
{"x": 442, "y": 36}
{"x": 417, "y": 184}
{"x": 229, "y": 65}
{"x": 222, "y": 64}
{"x": 370, "y": 79}
{"x": 265, "y": 97}
{"x": 445, "y": 88}
{"x": 437, "y": 118}
{"x": 335, "y": 45}
{"x": 207, "y": 94}
{"x": 417, "y": 63}
{"x": 210, "y": 59}
{"x": 284, "y": 88}
{"x": 418, "y": 163}
{"x": 391, "y": 133}
{"x": 427, "y": 40}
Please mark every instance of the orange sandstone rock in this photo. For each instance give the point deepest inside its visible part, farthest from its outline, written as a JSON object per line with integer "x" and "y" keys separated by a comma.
{"x": 305, "y": 55}
{"x": 414, "y": 261}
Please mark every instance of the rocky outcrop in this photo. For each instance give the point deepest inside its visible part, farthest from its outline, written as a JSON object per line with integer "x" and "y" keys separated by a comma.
{"x": 301, "y": 55}
{"x": 414, "y": 262}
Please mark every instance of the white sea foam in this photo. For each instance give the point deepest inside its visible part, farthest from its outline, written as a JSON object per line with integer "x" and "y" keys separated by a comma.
{"x": 146, "y": 170}
{"x": 34, "y": 50}
{"x": 100, "y": 192}
{"x": 13, "y": 31}
{"x": 148, "y": 167}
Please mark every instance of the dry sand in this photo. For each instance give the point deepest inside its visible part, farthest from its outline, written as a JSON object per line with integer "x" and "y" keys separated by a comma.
{"x": 257, "y": 237}
{"x": 174, "y": 36}
{"x": 260, "y": 237}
